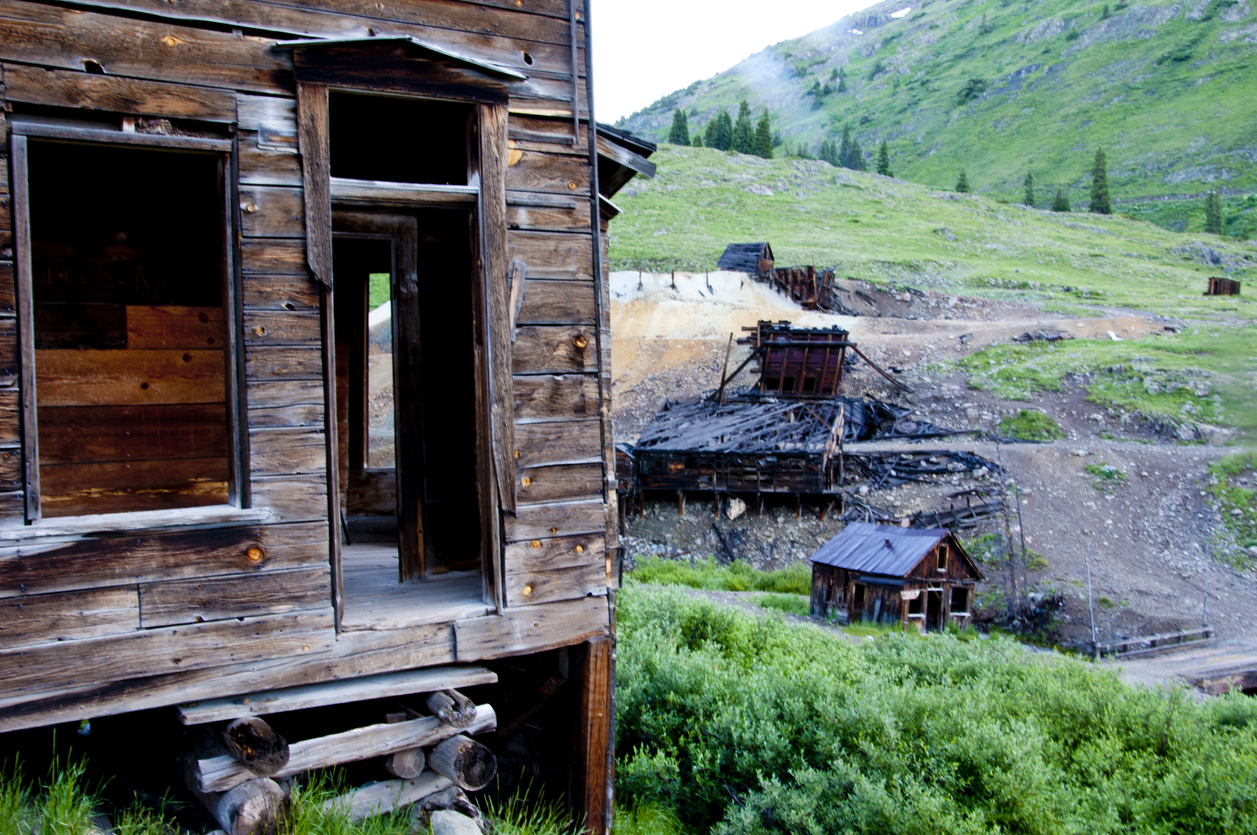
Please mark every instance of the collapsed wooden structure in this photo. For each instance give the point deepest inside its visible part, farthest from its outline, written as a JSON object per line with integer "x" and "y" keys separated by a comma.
{"x": 753, "y": 259}
{"x": 217, "y": 484}
{"x": 808, "y": 287}
{"x": 920, "y": 579}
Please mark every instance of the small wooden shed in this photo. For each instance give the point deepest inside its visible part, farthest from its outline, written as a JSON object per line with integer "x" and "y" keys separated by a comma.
{"x": 753, "y": 259}
{"x": 921, "y": 579}
{"x": 305, "y": 362}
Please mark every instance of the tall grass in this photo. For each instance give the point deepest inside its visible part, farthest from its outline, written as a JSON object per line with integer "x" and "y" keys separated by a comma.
{"x": 710, "y": 575}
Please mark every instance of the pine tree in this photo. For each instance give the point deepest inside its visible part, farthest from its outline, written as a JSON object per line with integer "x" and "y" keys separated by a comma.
{"x": 844, "y": 153}
{"x": 680, "y": 133}
{"x": 1061, "y": 203}
{"x": 1104, "y": 15}
{"x": 816, "y": 88}
{"x": 1029, "y": 198}
{"x": 1100, "y": 186}
{"x": 1213, "y": 213}
{"x": 833, "y": 74}
{"x": 855, "y": 160}
{"x": 743, "y": 133}
{"x": 698, "y": 140}
{"x": 764, "y": 137}
{"x": 719, "y": 133}
{"x": 962, "y": 183}
{"x": 883, "y": 160}
{"x": 842, "y": 81}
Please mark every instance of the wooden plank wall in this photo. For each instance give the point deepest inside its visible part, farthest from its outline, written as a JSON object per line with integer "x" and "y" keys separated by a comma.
{"x": 120, "y": 621}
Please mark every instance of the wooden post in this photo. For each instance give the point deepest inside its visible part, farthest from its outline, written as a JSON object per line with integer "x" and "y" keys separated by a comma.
{"x": 681, "y": 503}
{"x": 592, "y": 761}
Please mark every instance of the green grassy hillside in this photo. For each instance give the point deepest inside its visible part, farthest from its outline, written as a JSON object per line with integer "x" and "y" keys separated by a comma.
{"x": 1165, "y": 88}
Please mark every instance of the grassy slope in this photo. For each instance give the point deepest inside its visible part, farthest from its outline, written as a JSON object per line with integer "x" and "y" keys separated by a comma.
{"x": 878, "y": 229}
{"x": 1168, "y": 96}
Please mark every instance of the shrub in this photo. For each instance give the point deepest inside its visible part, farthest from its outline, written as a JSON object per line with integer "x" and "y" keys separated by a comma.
{"x": 794, "y": 604}
{"x": 737, "y": 576}
{"x": 1031, "y": 425}
{"x": 771, "y": 727}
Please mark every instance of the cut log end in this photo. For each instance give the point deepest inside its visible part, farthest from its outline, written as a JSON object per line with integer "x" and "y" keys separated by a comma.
{"x": 469, "y": 764}
{"x": 252, "y": 808}
{"x": 406, "y": 765}
{"x": 452, "y": 707}
{"x": 256, "y": 745}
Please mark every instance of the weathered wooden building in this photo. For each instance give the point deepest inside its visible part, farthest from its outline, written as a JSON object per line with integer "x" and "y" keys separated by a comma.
{"x": 753, "y": 259}
{"x": 921, "y": 579}
{"x": 215, "y": 483}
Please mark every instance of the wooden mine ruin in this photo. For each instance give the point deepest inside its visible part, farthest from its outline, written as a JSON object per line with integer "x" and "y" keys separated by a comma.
{"x": 920, "y": 579}
{"x": 306, "y": 391}
{"x": 1222, "y": 287}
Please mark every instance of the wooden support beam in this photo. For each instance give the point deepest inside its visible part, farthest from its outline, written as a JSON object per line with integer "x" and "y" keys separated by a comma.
{"x": 592, "y": 761}
{"x": 385, "y": 796}
{"x": 220, "y": 773}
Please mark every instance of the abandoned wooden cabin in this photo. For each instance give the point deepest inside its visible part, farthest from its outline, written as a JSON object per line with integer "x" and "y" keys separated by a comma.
{"x": 220, "y": 479}
{"x": 920, "y": 579}
{"x": 800, "y": 362}
{"x": 752, "y": 259}
{"x": 1222, "y": 287}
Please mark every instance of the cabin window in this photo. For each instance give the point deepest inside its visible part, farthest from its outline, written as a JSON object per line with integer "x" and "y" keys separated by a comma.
{"x": 127, "y": 276}
{"x": 942, "y": 558}
{"x": 959, "y": 600}
{"x": 915, "y": 606}
{"x": 399, "y": 140}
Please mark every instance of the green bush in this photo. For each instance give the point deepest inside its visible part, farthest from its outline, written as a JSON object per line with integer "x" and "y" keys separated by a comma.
{"x": 1031, "y": 425}
{"x": 737, "y": 576}
{"x": 1231, "y": 495}
{"x": 1105, "y": 477}
{"x": 756, "y": 725}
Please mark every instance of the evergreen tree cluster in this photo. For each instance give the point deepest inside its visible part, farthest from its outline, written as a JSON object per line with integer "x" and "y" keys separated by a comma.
{"x": 725, "y": 134}
{"x": 1100, "y": 204}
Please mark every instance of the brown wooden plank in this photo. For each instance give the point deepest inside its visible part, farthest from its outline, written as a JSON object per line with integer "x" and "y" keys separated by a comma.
{"x": 493, "y": 247}
{"x": 262, "y": 164}
{"x": 67, "y": 616}
{"x": 566, "y": 442}
{"x": 287, "y": 451}
{"x": 45, "y": 567}
{"x": 542, "y": 349}
{"x": 217, "y": 598}
{"x": 10, "y": 469}
{"x": 557, "y": 303}
{"x": 52, "y": 36}
{"x": 71, "y": 434}
{"x": 565, "y": 482}
{"x": 553, "y": 253}
{"x": 80, "y": 326}
{"x": 171, "y": 327}
{"x": 12, "y": 505}
{"x": 372, "y": 495}
{"x": 549, "y": 173}
{"x": 292, "y": 498}
{"x": 294, "y": 293}
{"x": 313, "y": 141}
{"x": 273, "y": 256}
{"x": 271, "y": 117}
{"x": 117, "y": 95}
{"x": 277, "y": 362}
{"x": 274, "y": 327}
{"x": 553, "y": 520}
{"x": 272, "y": 212}
{"x": 558, "y": 213}
{"x": 593, "y": 765}
{"x": 10, "y": 418}
{"x": 531, "y": 629}
{"x": 155, "y": 651}
{"x": 127, "y": 378}
{"x": 122, "y": 486}
{"x": 537, "y": 588}
{"x": 8, "y": 292}
{"x": 549, "y": 136}
{"x": 542, "y": 398}
{"x": 550, "y": 554}
{"x": 285, "y": 403}
{"x": 10, "y": 363}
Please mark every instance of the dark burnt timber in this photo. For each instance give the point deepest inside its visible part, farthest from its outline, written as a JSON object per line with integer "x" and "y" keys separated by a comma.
{"x": 214, "y": 503}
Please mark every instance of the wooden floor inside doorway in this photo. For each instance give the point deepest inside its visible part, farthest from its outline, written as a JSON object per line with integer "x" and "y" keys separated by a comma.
{"x": 375, "y": 600}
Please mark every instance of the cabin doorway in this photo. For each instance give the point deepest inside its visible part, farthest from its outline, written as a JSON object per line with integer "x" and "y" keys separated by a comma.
{"x": 934, "y": 610}
{"x": 406, "y": 416}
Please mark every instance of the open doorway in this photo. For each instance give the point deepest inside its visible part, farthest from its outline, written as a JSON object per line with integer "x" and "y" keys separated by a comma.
{"x": 407, "y": 406}
{"x": 934, "y": 610}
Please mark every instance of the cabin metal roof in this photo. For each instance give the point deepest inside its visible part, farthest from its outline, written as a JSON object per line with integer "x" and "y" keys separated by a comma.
{"x": 878, "y": 549}
{"x": 744, "y": 258}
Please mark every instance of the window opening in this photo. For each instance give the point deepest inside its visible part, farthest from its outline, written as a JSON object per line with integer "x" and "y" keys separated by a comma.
{"x": 916, "y": 604}
{"x": 128, "y": 265}
{"x": 959, "y": 600}
{"x": 399, "y": 140}
{"x": 942, "y": 558}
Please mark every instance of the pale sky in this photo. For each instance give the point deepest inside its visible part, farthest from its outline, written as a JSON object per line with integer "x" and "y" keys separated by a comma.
{"x": 645, "y": 49}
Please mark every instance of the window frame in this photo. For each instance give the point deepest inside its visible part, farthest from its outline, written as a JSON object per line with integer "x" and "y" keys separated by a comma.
{"x": 224, "y": 149}
{"x": 942, "y": 556}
